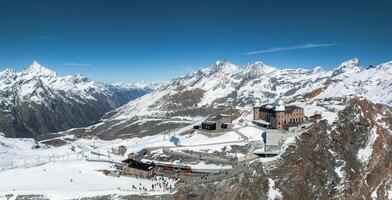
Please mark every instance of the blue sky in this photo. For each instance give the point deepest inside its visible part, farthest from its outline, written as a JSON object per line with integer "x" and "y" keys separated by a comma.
{"x": 130, "y": 41}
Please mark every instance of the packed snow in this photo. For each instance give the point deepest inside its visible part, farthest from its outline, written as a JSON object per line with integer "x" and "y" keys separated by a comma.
{"x": 365, "y": 153}
{"x": 252, "y": 133}
{"x": 273, "y": 192}
{"x": 74, "y": 179}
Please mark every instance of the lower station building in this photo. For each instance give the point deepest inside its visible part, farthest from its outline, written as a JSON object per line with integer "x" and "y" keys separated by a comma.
{"x": 221, "y": 121}
{"x": 139, "y": 169}
{"x": 278, "y": 115}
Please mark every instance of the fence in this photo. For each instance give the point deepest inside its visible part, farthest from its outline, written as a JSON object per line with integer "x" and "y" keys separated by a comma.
{"x": 26, "y": 162}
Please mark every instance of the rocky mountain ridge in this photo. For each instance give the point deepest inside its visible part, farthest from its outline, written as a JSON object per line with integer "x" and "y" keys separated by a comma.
{"x": 225, "y": 87}
{"x": 37, "y": 101}
{"x": 349, "y": 159}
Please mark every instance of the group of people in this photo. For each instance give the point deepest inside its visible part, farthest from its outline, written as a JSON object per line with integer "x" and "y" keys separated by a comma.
{"x": 158, "y": 184}
{"x": 161, "y": 184}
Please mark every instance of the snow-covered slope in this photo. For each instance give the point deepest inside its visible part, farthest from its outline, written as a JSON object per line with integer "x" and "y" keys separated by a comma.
{"x": 225, "y": 87}
{"x": 37, "y": 100}
{"x": 374, "y": 84}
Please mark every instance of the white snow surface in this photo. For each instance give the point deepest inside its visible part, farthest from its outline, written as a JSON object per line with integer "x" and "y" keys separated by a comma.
{"x": 252, "y": 133}
{"x": 49, "y": 170}
{"x": 273, "y": 192}
{"x": 71, "y": 179}
{"x": 365, "y": 153}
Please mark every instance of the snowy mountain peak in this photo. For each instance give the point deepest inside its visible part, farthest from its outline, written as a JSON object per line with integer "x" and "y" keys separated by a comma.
{"x": 225, "y": 67}
{"x": 258, "y": 68}
{"x": 385, "y": 66}
{"x": 7, "y": 73}
{"x": 352, "y": 66}
{"x": 36, "y": 69}
{"x": 317, "y": 69}
{"x": 351, "y": 63}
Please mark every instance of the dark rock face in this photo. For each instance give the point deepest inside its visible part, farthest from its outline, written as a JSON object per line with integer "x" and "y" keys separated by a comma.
{"x": 326, "y": 162}
{"x": 249, "y": 185}
{"x": 31, "y": 119}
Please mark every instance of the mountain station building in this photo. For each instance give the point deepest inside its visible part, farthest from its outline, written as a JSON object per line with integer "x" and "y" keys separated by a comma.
{"x": 278, "y": 115}
{"x": 139, "y": 169}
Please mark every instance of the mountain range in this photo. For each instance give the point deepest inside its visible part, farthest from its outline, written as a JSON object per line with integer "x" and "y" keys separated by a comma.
{"x": 37, "y": 100}
{"x": 225, "y": 87}
{"x": 345, "y": 156}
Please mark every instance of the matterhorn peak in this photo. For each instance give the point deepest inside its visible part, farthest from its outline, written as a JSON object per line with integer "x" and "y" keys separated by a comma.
{"x": 351, "y": 63}
{"x": 352, "y": 66}
{"x": 37, "y": 69}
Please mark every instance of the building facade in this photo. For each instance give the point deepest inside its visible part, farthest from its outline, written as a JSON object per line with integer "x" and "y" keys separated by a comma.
{"x": 221, "y": 121}
{"x": 139, "y": 169}
{"x": 278, "y": 115}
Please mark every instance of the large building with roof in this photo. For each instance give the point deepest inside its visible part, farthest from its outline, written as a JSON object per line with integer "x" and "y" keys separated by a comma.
{"x": 278, "y": 115}
{"x": 136, "y": 168}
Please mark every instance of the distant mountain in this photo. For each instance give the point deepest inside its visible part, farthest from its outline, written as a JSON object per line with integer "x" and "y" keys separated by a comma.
{"x": 37, "y": 101}
{"x": 225, "y": 87}
{"x": 350, "y": 66}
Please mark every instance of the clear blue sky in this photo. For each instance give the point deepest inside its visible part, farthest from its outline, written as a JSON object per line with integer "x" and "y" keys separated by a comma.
{"x": 131, "y": 41}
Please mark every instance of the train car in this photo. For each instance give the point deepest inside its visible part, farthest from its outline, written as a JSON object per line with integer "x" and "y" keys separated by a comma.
{"x": 168, "y": 168}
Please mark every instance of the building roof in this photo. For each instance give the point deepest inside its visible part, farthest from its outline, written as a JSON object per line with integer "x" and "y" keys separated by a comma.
{"x": 139, "y": 165}
{"x": 209, "y": 122}
{"x": 272, "y": 108}
{"x": 289, "y": 108}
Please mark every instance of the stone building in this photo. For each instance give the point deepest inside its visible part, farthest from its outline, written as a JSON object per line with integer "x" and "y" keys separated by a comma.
{"x": 278, "y": 115}
{"x": 120, "y": 150}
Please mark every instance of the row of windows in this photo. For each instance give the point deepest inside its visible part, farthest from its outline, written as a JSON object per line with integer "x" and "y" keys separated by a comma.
{"x": 294, "y": 120}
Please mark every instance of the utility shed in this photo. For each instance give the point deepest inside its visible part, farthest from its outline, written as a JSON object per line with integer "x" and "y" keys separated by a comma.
{"x": 175, "y": 140}
{"x": 137, "y": 168}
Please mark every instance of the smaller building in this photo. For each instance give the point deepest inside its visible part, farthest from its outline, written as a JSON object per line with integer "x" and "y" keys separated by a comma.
{"x": 221, "y": 121}
{"x": 175, "y": 140}
{"x": 120, "y": 150}
{"x": 136, "y": 168}
{"x": 316, "y": 116}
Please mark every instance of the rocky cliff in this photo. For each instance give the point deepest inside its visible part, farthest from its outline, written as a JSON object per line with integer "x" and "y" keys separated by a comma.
{"x": 348, "y": 159}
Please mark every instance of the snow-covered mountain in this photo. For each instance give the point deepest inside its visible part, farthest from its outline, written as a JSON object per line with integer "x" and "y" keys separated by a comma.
{"x": 37, "y": 100}
{"x": 225, "y": 87}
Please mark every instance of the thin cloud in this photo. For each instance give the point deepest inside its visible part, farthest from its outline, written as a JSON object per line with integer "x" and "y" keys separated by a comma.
{"x": 302, "y": 46}
{"x": 77, "y": 64}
